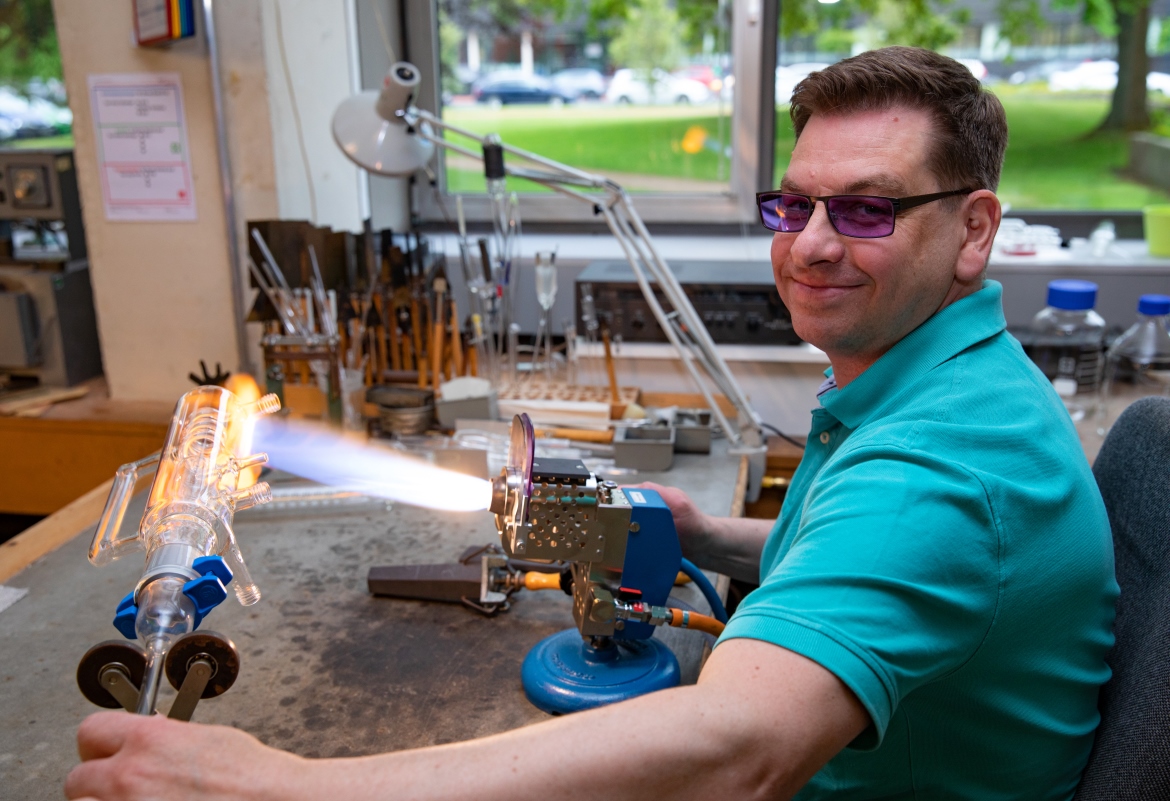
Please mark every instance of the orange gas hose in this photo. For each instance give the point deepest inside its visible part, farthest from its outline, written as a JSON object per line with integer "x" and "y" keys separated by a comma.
{"x": 693, "y": 620}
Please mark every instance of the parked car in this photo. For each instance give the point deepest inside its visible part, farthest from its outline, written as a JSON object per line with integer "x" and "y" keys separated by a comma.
{"x": 50, "y": 89}
{"x": 26, "y": 118}
{"x": 500, "y": 88}
{"x": 1158, "y": 82}
{"x": 1088, "y": 76}
{"x": 787, "y": 77}
{"x": 703, "y": 73}
{"x": 1041, "y": 71}
{"x": 627, "y": 87}
{"x": 579, "y": 83}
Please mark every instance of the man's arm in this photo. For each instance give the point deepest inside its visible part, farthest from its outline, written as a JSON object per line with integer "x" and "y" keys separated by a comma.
{"x": 760, "y": 722}
{"x": 727, "y": 545}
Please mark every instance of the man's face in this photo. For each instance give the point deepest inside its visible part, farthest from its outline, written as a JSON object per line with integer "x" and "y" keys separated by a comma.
{"x": 855, "y": 298}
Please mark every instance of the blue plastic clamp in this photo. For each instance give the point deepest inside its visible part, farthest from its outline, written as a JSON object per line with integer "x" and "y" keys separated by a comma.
{"x": 207, "y": 591}
{"x": 125, "y": 615}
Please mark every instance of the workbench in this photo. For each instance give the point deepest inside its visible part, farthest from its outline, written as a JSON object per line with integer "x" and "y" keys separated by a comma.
{"x": 327, "y": 670}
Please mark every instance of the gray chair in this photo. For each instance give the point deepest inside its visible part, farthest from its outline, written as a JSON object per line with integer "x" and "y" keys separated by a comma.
{"x": 1131, "y": 755}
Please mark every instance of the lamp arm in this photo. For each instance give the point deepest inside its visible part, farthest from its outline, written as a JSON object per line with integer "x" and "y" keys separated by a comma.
{"x": 667, "y": 279}
{"x": 620, "y": 230}
{"x": 687, "y": 334}
{"x": 562, "y": 172}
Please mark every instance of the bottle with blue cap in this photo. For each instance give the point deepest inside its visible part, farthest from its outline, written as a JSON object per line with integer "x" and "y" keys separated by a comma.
{"x": 1137, "y": 364}
{"x": 1069, "y": 344}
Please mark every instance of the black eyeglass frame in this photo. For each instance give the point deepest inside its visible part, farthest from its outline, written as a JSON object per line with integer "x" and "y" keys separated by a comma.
{"x": 900, "y": 205}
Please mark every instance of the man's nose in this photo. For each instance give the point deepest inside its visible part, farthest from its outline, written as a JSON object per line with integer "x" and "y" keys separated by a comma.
{"x": 819, "y": 242}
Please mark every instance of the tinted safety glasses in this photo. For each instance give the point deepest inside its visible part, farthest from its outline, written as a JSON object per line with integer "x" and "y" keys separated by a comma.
{"x": 861, "y": 216}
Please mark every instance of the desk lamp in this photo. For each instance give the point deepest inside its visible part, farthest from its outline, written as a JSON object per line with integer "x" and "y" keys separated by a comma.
{"x": 384, "y": 133}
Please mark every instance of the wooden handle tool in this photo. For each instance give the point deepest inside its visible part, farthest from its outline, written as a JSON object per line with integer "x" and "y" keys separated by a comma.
{"x": 614, "y": 395}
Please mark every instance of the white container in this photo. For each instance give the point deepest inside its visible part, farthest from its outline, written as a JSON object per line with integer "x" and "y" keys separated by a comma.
{"x": 1069, "y": 344}
{"x": 1137, "y": 364}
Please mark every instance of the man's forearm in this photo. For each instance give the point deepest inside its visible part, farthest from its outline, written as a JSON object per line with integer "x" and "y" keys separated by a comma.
{"x": 760, "y": 722}
{"x": 731, "y": 546}
{"x": 658, "y": 746}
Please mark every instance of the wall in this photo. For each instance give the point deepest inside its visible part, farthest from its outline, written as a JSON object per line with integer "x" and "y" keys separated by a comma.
{"x": 162, "y": 290}
{"x": 321, "y": 184}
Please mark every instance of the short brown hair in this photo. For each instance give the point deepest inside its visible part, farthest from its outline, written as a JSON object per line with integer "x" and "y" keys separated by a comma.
{"x": 970, "y": 122}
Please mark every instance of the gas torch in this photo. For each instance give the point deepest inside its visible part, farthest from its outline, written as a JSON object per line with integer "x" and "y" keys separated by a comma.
{"x": 613, "y": 549}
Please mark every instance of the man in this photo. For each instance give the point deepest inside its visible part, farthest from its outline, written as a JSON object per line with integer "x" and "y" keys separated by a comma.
{"x": 936, "y": 597}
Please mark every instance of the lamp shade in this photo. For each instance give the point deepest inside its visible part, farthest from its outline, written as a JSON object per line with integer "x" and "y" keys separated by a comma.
{"x": 370, "y": 131}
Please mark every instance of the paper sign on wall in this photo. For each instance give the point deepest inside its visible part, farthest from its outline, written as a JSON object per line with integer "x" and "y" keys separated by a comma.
{"x": 142, "y": 146}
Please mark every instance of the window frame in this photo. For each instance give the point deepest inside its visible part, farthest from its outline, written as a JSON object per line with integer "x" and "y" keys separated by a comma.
{"x": 754, "y": 30}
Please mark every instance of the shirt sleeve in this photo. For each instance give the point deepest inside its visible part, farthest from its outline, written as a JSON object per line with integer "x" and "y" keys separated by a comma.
{"x": 891, "y": 581}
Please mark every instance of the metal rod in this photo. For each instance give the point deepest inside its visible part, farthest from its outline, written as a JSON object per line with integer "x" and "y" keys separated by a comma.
{"x": 560, "y": 168}
{"x": 227, "y": 187}
{"x": 198, "y": 675}
{"x": 621, "y": 234}
{"x": 694, "y": 324}
{"x": 148, "y": 696}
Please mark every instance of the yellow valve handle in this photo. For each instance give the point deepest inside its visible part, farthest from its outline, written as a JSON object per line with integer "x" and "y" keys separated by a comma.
{"x": 534, "y": 580}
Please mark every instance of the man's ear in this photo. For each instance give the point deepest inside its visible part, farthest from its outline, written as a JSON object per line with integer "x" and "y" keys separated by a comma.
{"x": 983, "y": 213}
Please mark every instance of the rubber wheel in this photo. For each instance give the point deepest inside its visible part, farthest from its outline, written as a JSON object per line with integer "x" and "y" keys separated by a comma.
{"x": 89, "y": 670}
{"x": 218, "y": 649}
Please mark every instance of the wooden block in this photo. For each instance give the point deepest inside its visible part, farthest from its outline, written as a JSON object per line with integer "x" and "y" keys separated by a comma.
{"x": 49, "y": 462}
{"x": 39, "y": 399}
{"x": 305, "y": 401}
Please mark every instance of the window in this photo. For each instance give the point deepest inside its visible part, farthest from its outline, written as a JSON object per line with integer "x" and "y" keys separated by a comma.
{"x": 651, "y": 102}
{"x": 1055, "y": 75}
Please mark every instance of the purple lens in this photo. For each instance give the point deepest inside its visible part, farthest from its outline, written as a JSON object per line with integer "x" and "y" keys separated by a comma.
{"x": 787, "y": 213}
{"x": 861, "y": 216}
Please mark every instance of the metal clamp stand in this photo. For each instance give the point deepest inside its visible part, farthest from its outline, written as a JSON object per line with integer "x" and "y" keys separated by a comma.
{"x": 282, "y": 349}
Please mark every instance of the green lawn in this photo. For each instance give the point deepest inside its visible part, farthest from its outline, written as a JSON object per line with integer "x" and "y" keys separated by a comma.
{"x": 62, "y": 141}
{"x": 615, "y": 140}
{"x": 1052, "y": 161}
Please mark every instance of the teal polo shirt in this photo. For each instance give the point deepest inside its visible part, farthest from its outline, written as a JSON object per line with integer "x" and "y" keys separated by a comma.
{"x": 944, "y": 551}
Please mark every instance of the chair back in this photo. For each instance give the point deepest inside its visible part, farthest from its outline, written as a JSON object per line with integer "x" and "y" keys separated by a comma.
{"x": 1131, "y": 754}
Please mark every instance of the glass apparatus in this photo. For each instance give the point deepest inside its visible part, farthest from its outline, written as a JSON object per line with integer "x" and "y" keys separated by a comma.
{"x": 546, "y": 295}
{"x": 1069, "y": 343}
{"x": 201, "y": 479}
{"x": 1137, "y": 364}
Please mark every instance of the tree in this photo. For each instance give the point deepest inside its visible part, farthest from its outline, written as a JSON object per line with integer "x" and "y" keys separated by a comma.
{"x": 1126, "y": 20}
{"x": 918, "y": 23}
{"x": 1129, "y": 109}
{"x": 28, "y": 41}
{"x": 650, "y": 39}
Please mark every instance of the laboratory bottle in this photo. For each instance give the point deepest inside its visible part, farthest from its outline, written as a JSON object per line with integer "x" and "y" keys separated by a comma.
{"x": 1069, "y": 343}
{"x": 1137, "y": 364}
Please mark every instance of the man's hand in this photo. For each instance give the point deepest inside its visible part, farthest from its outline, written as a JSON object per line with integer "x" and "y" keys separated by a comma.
{"x": 128, "y": 757}
{"x": 728, "y": 545}
{"x": 692, "y": 525}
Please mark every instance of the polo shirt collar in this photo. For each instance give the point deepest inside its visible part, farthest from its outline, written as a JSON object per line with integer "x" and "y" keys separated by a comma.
{"x": 947, "y": 333}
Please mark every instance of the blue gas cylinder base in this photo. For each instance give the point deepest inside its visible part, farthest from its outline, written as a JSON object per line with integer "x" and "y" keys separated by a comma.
{"x": 563, "y": 673}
